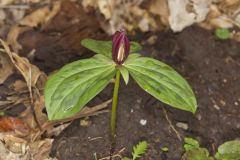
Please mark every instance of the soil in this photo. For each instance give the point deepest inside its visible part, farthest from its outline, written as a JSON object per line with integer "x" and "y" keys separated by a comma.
{"x": 210, "y": 65}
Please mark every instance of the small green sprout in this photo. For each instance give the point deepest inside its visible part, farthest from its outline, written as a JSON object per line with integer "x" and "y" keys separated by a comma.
{"x": 2, "y": 113}
{"x": 138, "y": 151}
{"x": 164, "y": 149}
{"x": 190, "y": 143}
{"x": 193, "y": 151}
{"x": 223, "y": 33}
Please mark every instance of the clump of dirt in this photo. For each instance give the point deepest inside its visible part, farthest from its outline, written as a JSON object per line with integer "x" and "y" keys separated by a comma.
{"x": 210, "y": 65}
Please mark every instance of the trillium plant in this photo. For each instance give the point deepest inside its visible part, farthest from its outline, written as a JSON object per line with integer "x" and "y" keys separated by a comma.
{"x": 71, "y": 88}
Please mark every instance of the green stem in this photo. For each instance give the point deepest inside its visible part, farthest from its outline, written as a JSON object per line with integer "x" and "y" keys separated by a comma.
{"x": 114, "y": 107}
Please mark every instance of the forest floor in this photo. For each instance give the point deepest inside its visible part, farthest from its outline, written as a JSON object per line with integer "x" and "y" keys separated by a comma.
{"x": 210, "y": 65}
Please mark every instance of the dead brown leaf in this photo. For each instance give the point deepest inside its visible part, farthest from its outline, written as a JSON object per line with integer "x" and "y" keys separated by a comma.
{"x": 17, "y": 125}
{"x": 187, "y": 12}
{"x": 40, "y": 150}
{"x": 16, "y": 148}
{"x": 11, "y": 101}
{"x": 13, "y": 143}
{"x": 38, "y": 109}
{"x": 33, "y": 115}
{"x": 56, "y": 130}
{"x": 6, "y": 2}
{"x": 160, "y": 8}
{"x": 39, "y": 17}
{"x": 6, "y": 67}
{"x": 5, "y": 154}
{"x": 115, "y": 16}
{"x": 19, "y": 86}
{"x": 30, "y": 72}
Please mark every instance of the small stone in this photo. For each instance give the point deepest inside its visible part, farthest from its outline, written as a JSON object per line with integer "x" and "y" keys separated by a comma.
{"x": 222, "y": 102}
{"x": 236, "y": 103}
{"x": 152, "y": 40}
{"x": 224, "y": 80}
{"x": 143, "y": 122}
{"x": 85, "y": 123}
{"x": 131, "y": 110}
{"x": 207, "y": 61}
{"x": 199, "y": 117}
{"x": 216, "y": 107}
{"x": 139, "y": 100}
{"x": 182, "y": 125}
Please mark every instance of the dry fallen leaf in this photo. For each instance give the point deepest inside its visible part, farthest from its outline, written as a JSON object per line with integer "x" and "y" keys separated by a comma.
{"x": 115, "y": 16}
{"x": 105, "y": 7}
{"x": 160, "y": 7}
{"x": 9, "y": 142}
{"x": 56, "y": 130}
{"x": 16, "y": 148}
{"x": 6, "y": 2}
{"x": 14, "y": 144}
{"x": 19, "y": 86}
{"x": 38, "y": 109}
{"x": 38, "y": 17}
{"x": 17, "y": 125}
{"x": 223, "y": 14}
{"x": 30, "y": 72}
{"x": 184, "y": 13}
{"x": 33, "y": 115}
{"x": 40, "y": 150}
{"x": 6, "y": 67}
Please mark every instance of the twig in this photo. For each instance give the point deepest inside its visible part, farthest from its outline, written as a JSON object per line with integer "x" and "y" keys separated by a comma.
{"x": 22, "y": 6}
{"x": 171, "y": 126}
{"x": 33, "y": 110}
{"x": 22, "y": 92}
{"x": 114, "y": 156}
{"x": 231, "y": 21}
{"x": 95, "y": 156}
{"x": 95, "y": 138}
{"x": 86, "y": 112}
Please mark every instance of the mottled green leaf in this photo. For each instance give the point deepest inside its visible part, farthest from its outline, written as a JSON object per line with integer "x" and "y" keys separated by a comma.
{"x": 132, "y": 57}
{"x": 229, "y": 151}
{"x": 125, "y": 74}
{"x": 70, "y": 89}
{"x": 105, "y": 47}
{"x": 135, "y": 47}
{"x": 197, "y": 154}
{"x": 190, "y": 143}
{"x": 222, "y": 33}
{"x": 162, "y": 82}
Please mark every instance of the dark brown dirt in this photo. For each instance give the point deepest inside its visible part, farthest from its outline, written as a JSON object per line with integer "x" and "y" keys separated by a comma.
{"x": 210, "y": 65}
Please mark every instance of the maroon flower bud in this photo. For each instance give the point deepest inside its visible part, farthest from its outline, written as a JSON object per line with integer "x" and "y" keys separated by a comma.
{"x": 120, "y": 47}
